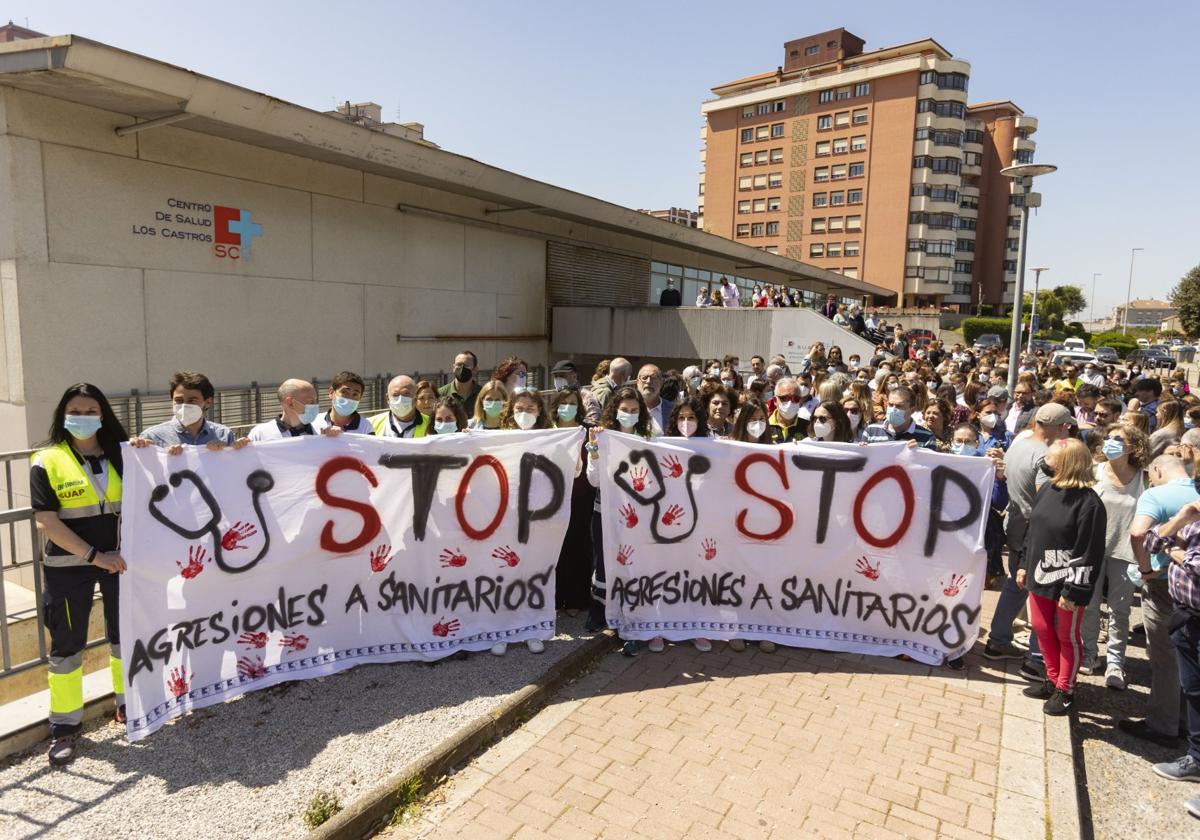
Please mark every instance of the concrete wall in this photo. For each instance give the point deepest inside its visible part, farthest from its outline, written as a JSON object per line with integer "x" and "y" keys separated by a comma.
{"x": 337, "y": 275}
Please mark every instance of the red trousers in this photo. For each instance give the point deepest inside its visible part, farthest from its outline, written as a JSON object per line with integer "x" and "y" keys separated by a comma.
{"x": 1059, "y": 638}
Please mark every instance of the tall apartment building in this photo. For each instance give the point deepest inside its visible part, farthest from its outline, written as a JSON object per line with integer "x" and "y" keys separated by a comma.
{"x": 871, "y": 164}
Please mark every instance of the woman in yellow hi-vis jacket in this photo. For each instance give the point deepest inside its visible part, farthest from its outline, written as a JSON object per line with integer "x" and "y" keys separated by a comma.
{"x": 75, "y": 488}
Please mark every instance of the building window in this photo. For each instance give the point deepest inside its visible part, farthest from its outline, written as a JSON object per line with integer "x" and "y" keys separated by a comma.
{"x": 812, "y": 50}
{"x": 816, "y": 249}
{"x": 760, "y": 182}
{"x": 745, "y": 182}
{"x": 756, "y": 229}
{"x": 858, "y": 143}
{"x": 841, "y": 146}
{"x": 841, "y": 119}
{"x": 777, "y": 129}
{"x": 969, "y": 202}
{"x": 823, "y": 148}
{"x": 942, "y": 109}
{"x": 939, "y": 247}
{"x": 836, "y": 224}
{"x": 743, "y": 230}
{"x": 1012, "y": 244}
{"x": 854, "y": 223}
{"x": 963, "y": 266}
{"x": 760, "y": 205}
{"x": 773, "y": 204}
{"x": 854, "y": 196}
{"x": 862, "y": 89}
{"x": 746, "y": 159}
{"x": 936, "y": 192}
{"x": 860, "y": 116}
{"x": 824, "y": 122}
{"x": 747, "y": 135}
{"x": 972, "y": 135}
{"x": 764, "y": 108}
{"x": 1014, "y": 222}
{"x": 851, "y": 249}
{"x": 937, "y": 164}
{"x": 843, "y": 93}
{"x": 780, "y": 105}
{"x": 837, "y": 199}
{"x": 972, "y": 158}
{"x": 701, "y": 188}
{"x": 744, "y": 206}
{"x": 772, "y": 249}
{"x": 760, "y": 158}
{"x": 965, "y": 224}
{"x": 833, "y": 249}
{"x": 850, "y": 272}
{"x": 967, "y": 245}
{"x": 825, "y": 96}
{"x": 945, "y": 81}
{"x": 762, "y": 133}
{"x": 775, "y": 179}
{"x": 838, "y": 172}
{"x": 820, "y": 199}
{"x": 777, "y": 156}
{"x": 857, "y": 170}
{"x": 748, "y": 112}
{"x": 1010, "y": 265}
{"x": 1025, "y": 156}
{"x": 818, "y": 226}
{"x": 772, "y": 228}
{"x": 821, "y": 173}
{"x": 915, "y": 245}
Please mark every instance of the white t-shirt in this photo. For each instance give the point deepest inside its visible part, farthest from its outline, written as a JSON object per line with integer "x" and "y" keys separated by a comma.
{"x": 731, "y": 295}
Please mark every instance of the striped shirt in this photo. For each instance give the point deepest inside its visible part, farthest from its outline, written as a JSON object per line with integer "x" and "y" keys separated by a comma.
{"x": 1183, "y": 581}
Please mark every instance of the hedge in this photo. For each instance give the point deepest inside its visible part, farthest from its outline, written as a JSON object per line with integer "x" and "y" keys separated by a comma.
{"x": 972, "y": 328}
{"x": 1121, "y": 343}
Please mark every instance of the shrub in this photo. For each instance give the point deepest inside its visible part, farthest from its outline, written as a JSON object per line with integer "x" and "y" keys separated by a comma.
{"x": 972, "y": 328}
{"x": 1121, "y": 343}
{"x": 321, "y": 808}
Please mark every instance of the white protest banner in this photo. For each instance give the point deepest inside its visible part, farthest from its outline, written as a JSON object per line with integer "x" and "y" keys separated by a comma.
{"x": 298, "y": 558}
{"x": 870, "y": 549}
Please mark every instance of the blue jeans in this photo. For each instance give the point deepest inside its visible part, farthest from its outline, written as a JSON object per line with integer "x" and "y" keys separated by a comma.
{"x": 1012, "y": 599}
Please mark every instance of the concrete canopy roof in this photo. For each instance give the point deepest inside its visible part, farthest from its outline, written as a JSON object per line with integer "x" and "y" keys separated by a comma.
{"x": 79, "y": 70}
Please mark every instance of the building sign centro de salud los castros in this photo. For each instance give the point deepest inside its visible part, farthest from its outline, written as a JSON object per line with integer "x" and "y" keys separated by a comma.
{"x": 230, "y": 230}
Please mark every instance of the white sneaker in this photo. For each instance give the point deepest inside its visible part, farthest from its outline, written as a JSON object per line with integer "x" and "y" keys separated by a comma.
{"x": 1114, "y": 678}
{"x": 500, "y": 648}
{"x": 535, "y": 645}
{"x": 657, "y": 644}
{"x": 1089, "y": 665}
{"x": 702, "y": 645}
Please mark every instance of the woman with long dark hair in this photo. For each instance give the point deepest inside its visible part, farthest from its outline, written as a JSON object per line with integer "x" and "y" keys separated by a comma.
{"x": 75, "y": 491}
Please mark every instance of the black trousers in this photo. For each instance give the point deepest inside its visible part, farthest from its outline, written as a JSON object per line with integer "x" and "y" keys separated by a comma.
{"x": 67, "y": 606}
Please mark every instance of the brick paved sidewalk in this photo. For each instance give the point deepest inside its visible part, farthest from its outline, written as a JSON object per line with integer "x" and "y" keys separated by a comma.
{"x": 794, "y": 743}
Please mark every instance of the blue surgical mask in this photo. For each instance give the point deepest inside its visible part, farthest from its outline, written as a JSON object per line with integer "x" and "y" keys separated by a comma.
{"x": 567, "y": 411}
{"x": 345, "y": 406}
{"x": 492, "y": 408}
{"x": 1188, "y": 423}
{"x": 897, "y": 417}
{"x": 627, "y": 419}
{"x": 82, "y": 426}
{"x": 445, "y": 427}
{"x": 310, "y": 412}
{"x": 963, "y": 448}
{"x": 1113, "y": 449}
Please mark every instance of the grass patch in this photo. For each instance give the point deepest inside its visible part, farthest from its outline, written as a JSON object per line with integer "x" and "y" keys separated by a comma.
{"x": 408, "y": 801}
{"x": 321, "y": 808}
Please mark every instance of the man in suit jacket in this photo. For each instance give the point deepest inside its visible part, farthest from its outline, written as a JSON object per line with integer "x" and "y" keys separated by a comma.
{"x": 649, "y": 383}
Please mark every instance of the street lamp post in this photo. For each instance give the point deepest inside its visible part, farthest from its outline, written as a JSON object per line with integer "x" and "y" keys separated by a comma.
{"x": 1026, "y": 172}
{"x": 1037, "y": 279}
{"x": 1129, "y": 291}
{"x": 1092, "y": 299}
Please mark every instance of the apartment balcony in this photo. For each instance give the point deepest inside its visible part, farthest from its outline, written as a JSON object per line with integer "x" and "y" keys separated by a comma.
{"x": 1015, "y": 187}
{"x": 923, "y": 286}
{"x": 932, "y": 91}
{"x": 1020, "y": 144}
{"x": 927, "y": 119}
{"x": 704, "y": 131}
{"x": 969, "y": 190}
{"x": 972, "y": 169}
{"x": 1026, "y": 123}
{"x": 925, "y": 175}
{"x": 931, "y": 205}
{"x": 968, "y": 212}
{"x": 956, "y": 298}
{"x": 921, "y": 259}
{"x": 703, "y": 157}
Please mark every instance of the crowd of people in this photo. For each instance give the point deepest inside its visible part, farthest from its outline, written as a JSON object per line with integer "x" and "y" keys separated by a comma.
{"x": 1093, "y": 503}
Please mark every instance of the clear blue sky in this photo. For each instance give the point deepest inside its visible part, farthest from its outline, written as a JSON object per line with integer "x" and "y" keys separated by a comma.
{"x": 604, "y": 98}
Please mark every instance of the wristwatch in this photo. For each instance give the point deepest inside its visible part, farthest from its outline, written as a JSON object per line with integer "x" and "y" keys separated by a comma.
{"x": 90, "y": 557}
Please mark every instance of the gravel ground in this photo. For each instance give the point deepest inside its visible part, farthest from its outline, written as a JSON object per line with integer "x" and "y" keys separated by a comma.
{"x": 1126, "y": 798}
{"x": 249, "y": 768}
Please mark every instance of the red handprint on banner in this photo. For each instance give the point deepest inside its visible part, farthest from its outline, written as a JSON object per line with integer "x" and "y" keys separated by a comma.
{"x": 673, "y": 516}
{"x": 445, "y": 628}
{"x": 638, "y": 476}
{"x": 297, "y": 643}
{"x": 251, "y": 669}
{"x": 625, "y": 555}
{"x": 197, "y": 557}
{"x": 630, "y": 515}
{"x": 234, "y": 537}
{"x": 710, "y": 549}
{"x": 864, "y": 568}
{"x": 957, "y": 582}
{"x": 179, "y": 682}
{"x": 672, "y": 466}
{"x": 253, "y": 640}
{"x": 453, "y": 558}
{"x": 506, "y": 556}
{"x": 381, "y": 555}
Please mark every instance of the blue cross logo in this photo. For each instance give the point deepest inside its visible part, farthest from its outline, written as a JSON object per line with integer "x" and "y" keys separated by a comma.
{"x": 247, "y": 228}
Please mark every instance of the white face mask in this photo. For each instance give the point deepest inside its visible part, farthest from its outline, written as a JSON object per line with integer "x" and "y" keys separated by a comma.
{"x": 559, "y": 383}
{"x": 822, "y": 430}
{"x": 525, "y": 419}
{"x": 187, "y": 413}
{"x": 400, "y": 405}
{"x": 788, "y": 410}
{"x": 854, "y": 420}
{"x": 627, "y": 419}
{"x": 988, "y": 421}
{"x": 803, "y": 390}
{"x": 756, "y": 428}
{"x": 687, "y": 426}
{"x": 445, "y": 427}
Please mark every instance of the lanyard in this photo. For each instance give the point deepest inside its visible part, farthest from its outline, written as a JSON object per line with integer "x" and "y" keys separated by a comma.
{"x": 101, "y": 497}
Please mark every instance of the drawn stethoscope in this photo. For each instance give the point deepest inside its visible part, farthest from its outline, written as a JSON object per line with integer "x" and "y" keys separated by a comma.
{"x": 696, "y": 465}
{"x": 259, "y": 482}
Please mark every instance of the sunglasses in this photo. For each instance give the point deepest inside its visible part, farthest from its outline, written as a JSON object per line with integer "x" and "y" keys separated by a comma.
{"x": 788, "y": 398}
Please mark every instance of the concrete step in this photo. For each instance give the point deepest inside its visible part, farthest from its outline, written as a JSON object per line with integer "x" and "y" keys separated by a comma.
{"x": 23, "y": 721}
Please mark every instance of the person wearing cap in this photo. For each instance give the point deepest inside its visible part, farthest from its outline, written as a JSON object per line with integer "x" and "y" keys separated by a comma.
{"x": 670, "y": 296}
{"x": 566, "y": 375}
{"x": 1023, "y": 470}
{"x": 998, "y": 394}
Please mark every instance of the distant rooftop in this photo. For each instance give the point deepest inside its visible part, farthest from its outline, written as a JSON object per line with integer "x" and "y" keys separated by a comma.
{"x": 1149, "y": 303}
{"x": 11, "y": 32}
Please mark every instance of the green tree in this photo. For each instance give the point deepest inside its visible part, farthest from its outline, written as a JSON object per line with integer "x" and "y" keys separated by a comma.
{"x": 1072, "y": 299}
{"x": 1049, "y": 310}
{"x": 1186, "y": 298}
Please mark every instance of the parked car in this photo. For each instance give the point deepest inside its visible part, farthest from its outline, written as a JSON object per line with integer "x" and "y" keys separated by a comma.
{"x": 1143, "y": 343}
{"x": 1075, "y": 344}
{"x": 1150, "y": 358}
{"x": 987, "y": 341}
{"x": 1107, "y": 355}
{"x": 1079, "y": 358}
